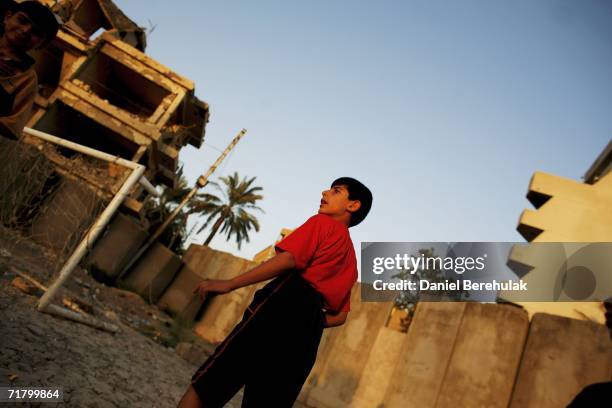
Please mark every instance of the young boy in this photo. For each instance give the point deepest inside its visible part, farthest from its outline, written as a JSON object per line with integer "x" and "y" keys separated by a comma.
{"x": 25, "y": 26}
{"x": 272, "y": 350}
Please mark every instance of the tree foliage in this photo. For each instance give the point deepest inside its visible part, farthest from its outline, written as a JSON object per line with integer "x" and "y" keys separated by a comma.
{"x": 230, "y": 213}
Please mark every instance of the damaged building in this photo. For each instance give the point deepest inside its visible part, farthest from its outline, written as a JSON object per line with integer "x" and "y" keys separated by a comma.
{"x": 98, "y": 88}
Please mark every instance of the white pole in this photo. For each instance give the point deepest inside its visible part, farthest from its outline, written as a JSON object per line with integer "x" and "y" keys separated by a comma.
{"x": 91, "y": 236}
{"x": 81, "y": 318}
{"x": 95, "y": 153}
{"x": 81, "y": 148}
{"x": 149, "y": 187}
{"x": 201, "y": 182}
{"x": 101, "y": 221}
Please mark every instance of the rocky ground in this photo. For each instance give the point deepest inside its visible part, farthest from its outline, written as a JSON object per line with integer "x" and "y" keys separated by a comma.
{"x": 147, "y": 363}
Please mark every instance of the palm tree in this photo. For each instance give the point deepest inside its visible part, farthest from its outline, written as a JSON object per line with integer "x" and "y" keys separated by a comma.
{"x": 156, "y": 211}
{"x": 230, "y": 213}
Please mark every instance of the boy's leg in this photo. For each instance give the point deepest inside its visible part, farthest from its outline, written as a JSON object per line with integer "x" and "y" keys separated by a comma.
{"x": 279, "y": 389}
{"x": 190, "y": 399}
{"x": 225, "y": 371}
{"x": 288, "y": 352}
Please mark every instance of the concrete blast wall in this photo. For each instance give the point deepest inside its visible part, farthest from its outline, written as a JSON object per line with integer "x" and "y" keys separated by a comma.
{"x": 222, "y": 312}
{"x": 457, "y": 355}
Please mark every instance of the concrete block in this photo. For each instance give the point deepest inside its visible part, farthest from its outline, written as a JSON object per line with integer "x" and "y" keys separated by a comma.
{"x": 459, "y": 355}
{"x": 338, "y": 371}
{"x": 123, "y": 237}
{"x": 561, "y": 357}
{"x": 153, "y": 273}
{"x": 326, "y": 346}
{"x": 379, "y": 368}
{"x": 424, "y": 356}
{"x": 178, "y": 298}
{"x": 198, "y": 257}
{"x": 486, "y": 357}
{"x": 223, "y": 312}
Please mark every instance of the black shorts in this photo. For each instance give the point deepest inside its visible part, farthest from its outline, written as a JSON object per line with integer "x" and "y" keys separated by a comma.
{"x": 271, "y": 351}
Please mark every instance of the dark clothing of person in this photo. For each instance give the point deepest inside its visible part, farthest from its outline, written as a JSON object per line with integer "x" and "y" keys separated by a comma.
{"x": 594, "y": 396}
{"x": 271, "y": 351}
{"x": 18, "y": 87}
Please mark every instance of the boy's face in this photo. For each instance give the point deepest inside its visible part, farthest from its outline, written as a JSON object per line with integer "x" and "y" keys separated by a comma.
{"x": 21, "y": 32}
{"x": 335, "y": 202}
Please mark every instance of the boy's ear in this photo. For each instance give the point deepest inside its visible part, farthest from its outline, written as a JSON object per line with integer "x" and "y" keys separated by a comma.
{"x": 354, "y": 206}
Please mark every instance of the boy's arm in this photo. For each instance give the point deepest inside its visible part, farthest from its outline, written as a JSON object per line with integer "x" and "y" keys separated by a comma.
{"x": 269, "y": 269}
{"x": 332, "y": 320}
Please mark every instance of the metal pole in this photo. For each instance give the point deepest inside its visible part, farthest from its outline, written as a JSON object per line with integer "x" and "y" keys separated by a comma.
{"x": 91, "y": 236}
{"x": 201, "y": 182}
{"x": 101, "y": 221}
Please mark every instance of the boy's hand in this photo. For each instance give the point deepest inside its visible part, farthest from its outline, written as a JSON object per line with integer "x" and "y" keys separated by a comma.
{"x": 335, "y": 319}
{"x": 213, "y": 285}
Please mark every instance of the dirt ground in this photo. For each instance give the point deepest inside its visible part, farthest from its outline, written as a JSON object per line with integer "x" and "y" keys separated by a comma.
{"x": 148, "y": 363}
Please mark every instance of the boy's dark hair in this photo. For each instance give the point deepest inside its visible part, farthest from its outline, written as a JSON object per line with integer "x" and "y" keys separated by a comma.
{"x": 356, "y": 191}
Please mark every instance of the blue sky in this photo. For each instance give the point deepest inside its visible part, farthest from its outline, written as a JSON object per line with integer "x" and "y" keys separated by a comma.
{"x": 443, "y": 108}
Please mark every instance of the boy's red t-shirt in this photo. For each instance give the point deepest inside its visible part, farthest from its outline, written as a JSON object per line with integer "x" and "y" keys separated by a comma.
{"x": 323, "y": 251}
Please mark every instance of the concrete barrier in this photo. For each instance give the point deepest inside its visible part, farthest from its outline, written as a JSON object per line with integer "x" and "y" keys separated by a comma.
{"x": 113, "y": 250}
{"x": 178, "y": 299}
{"x": 424, "y": 356}
{"x": 486, "y": 357}
{"x": 459, "y": 355}
{"x": 338, "y": 369}
{"x": 221, "y": 312}
{"x": 379, "y": 368}
{"x": 153, "y": 273}
{"x": 561, "y": 357}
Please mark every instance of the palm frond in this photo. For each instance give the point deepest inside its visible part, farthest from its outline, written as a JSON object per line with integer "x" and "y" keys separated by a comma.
{"x": 233, "y": 207}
